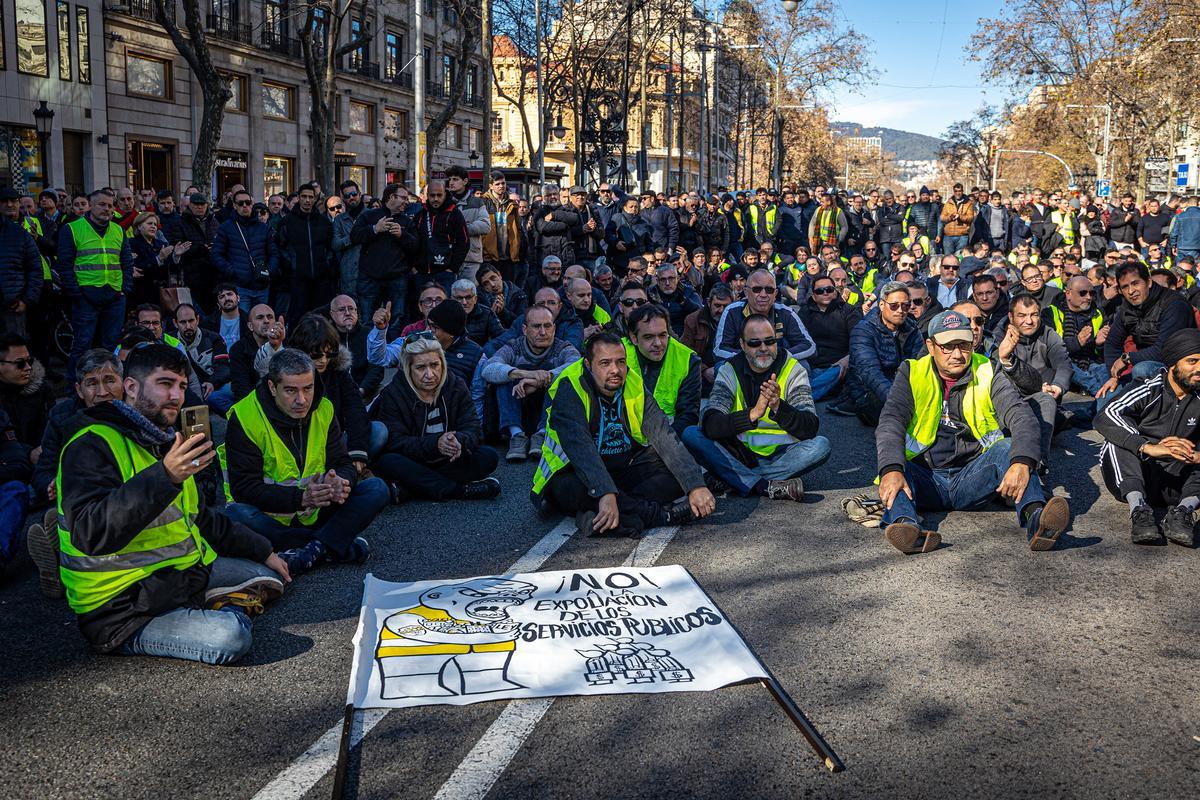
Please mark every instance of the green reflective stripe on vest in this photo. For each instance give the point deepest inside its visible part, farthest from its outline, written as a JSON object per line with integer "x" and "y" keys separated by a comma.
{"x": 279, "y": 465}
{"x": 1056, "y": 315}
{"x": 34, "y": 227}
{"x": 97, "y": 259}
{"x": 224, "y": 472}
{"x": 767, "y": 436}
{"x": 169, "y": 540}
{"x": 671, "y": 376}
{"x": 927, "y": 394}
{"x": 553, "y": 457}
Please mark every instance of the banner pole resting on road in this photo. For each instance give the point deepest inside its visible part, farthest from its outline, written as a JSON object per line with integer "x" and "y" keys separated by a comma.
{"x": 343, "y": 760}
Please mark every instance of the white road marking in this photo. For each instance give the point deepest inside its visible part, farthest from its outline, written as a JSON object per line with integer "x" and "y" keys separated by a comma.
{"x": 495, "y": 750}
{"x": 312, "y": 765}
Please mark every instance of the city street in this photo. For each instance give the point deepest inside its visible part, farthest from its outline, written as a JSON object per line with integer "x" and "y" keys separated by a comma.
{"x": 980, "y": 670}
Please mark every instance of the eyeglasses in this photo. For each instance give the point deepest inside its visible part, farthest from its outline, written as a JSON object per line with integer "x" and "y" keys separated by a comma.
{"x": 965, "y": 347}
{"x": 430, "y": 301}
{"x": 762, "y": 289}
{"x": 824, "y": 290}
{"x": 630, "y": 302}
{"x": 240, "y": 203}
{"x": 905, "y": 306}
{"x": 20, "y": 363}
{"x": 768, "y": 342}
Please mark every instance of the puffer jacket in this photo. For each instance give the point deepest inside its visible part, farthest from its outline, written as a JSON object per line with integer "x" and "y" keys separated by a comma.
{"x": 306, "y": 244}
{"x": 556, "y": 236}
{"x": 876, "y": 352}
{"x": 664, "y": 227}
{"x": 29, "y": 406}
{"x": 346, "y": 252}
{"x": 339, "y": 386}
{"x": 965, "y": 209}
{"x": 714, "y": 229}
{"x": 791, "y": 231}
{"x": 506, "y": 208}
{"x": 479, "y": 224}
{"x": 20, "y": 265}
{"x": 235, "y": 259}
{"x": 631, "y": 230}
{"x": 404, "y": 415}
{"x": 891, "y": 224}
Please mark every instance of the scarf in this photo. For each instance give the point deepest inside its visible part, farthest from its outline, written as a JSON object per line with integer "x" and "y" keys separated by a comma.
{"x": 827, "y": 227}
{"x": 151, "y": 431}
{"x": 531, "y": 360}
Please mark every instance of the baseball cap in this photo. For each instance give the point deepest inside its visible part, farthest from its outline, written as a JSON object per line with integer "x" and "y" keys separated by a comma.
{"x": 199, "y": 199}
{"x": 950, "y": 326}
{"x": 9, "y": 193}
{"x": 578, "y": 190}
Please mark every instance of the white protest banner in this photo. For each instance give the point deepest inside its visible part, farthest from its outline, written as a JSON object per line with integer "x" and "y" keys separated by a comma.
{"x": 542, "y": 634}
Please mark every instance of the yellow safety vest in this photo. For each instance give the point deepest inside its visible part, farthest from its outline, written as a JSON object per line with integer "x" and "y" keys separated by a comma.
{"x": 97, "y": 258}
{"x": 170, "y": 540}
{"x": 767, "y": 435}
{"x": 922, "y": 240}
{"x": 1056, "y": 315}
{"x": 676, "y": 362}
{"x": 279, "y": 465}
{"x": 34, "y": 227}
{"x": 927, "y": 395}
{"x": 770, "y": 215}
{"x": 601, "y": 316}
{"x": 554, "y": 458}
{"x": 1063, "y": 222}
{"x": 869, "y": 278}
{"x": 1033, "y": 257}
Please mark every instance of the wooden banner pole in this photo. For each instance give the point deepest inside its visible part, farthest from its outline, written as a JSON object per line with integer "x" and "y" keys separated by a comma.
{"x": 343, "y": 760}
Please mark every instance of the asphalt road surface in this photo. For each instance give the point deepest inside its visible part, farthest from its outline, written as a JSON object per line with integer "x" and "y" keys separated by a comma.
{"x": 982, "y": 670}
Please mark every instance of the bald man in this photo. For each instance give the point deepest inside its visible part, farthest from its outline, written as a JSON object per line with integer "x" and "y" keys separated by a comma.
{"x": 343, "y": 311}
{"x": 264, "y": 329}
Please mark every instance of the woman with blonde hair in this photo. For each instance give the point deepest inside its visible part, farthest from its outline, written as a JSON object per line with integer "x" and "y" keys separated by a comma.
{"x": 151, "y": 255}
{"x": 434, "y": 444}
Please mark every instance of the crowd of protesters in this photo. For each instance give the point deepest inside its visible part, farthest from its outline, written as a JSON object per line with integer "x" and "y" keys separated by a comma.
{"x": 646, "y": 353}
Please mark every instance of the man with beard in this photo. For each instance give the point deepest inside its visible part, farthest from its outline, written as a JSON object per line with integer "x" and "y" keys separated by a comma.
{"x": 760, "y": 299}
{"x": 1148, "y": 314}
{"x": 148, "y": 569}
{"x": 668, "y": 369}
{"x": 305, "y": 239}
{"x": 1084, "y": 330}
{"x": 210, "y": 359}
{"x": 958, "y": 214}
{"x": 941, "y": 443}
{"x": 861, "y": 222}
{"x": 230, "y": 322}
{"x": 1149, "y": 459}
{"x": 442, "y": 237}
{"x": 504, "y": 243}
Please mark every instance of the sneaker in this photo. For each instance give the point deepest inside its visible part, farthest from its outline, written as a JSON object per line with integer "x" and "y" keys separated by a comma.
{"x": 485, "y": 489}
{"x": 1179, "y": 525}
{"x": 302, "y": 559}
{"x": 791, "y": 489}
{"x": 679, "y": 513}
{"x": 535, "y": 444}
{"x": 251, "y": 595}
{"x": 398, "y": 493}
{"x": 1143, "y": 528}
{"x": 717, "y": 485}
{"x": 1044, "y": 525}
{"x": 841, "y": 408}
{"x": 43, "y": 549}
{"x": 518, "y": 448}
{"x": 910, "y": 540}
{"x": 251, "y": 605}
{"x": 358, "y": 552}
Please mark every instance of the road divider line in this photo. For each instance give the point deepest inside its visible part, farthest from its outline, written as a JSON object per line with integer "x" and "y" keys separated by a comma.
{"x": 475, "y": 776}
{"x": 314, "y": 763}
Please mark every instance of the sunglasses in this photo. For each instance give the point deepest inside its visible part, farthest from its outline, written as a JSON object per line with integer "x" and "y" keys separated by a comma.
{"x": 769, "y": 341}
{"x": 417, "y": 336}
{"x": 918, "y": 301}
{"x": 350, "y": 193}
{"x": 1086, "y": 292}
{"x": 338, "y": 207}
{"x": 630, "y": 302}
{"x": 980, "y": 320}
{"x": 324, "y": 355}
{"x": 824, "y": 290}
{"x": 244, "y": 203}
{"x": 762, "y": 289}
{"x": 899, "y": 306}
{"x": 20, "y": 363}
{"x": 948, "y": 267}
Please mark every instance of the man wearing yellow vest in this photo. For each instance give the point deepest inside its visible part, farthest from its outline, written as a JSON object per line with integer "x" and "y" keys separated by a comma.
{"x": 1077, "y": 318}
{"x": 21, "y": 273}
{"x": 668, "y": 368}
{"x": 290, "y": 475}
{"x": 760, "y": 426}
{"x": 148, "y": 569}
{"x": 610, "y": 457}
{"x": 579, "y": 294}
{"x": 95, "y": 266}
{"x": 940, "y": 443}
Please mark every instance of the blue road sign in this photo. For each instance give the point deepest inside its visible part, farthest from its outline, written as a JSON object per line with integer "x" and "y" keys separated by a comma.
{"x": 1181, "y": 174}
{"x": 1103, "y": 188}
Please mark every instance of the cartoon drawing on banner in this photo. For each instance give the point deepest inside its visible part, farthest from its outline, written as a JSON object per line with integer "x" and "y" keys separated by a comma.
{"x": 458, "y": 641}
{"x": 634, "y": 662}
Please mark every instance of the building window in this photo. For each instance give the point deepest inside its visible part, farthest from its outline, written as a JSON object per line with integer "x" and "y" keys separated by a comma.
{"x": 63, "y": 11}
{"x": 454, "y": 136}
{"x": 237, "y": 84}
{"x": 3, "y": 52}
{"x": 498, "y": 127}
{"x": 448, "y": 63}
{"x": 83, "y": 46}
{"x": 275, "y": 27}
{"x": 429, "y": 76}
{"x": 31, "y": 38}
{"x": 226, "y": 12}
{"x": 320, "y": 27}
{"x": 393, "y": 55}
{"x": 395, "y": 124}
{"x": 279, "y": 101}
{"x": 362, "y": 118}
{"x": 472, "y": 83}
{"x": 362, "y": 53}
{"x": 147, "y": 76}
{"x": 363, "y": 176}
{"x": 476, "y": 139}
{"x": 277, "y": 175}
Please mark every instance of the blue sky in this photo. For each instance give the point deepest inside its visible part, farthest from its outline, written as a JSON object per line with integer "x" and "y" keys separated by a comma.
{"x": 911, "y": 48}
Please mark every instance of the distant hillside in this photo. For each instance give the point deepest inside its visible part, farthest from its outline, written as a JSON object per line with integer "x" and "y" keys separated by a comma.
{"x": 906, "y": 145}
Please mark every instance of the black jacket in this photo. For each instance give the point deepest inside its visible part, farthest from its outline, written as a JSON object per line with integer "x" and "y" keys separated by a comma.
{"x": 385, "y": 256}
{"x": 242, "y": 375}
{"x": 209, "y": 357}
{"x": 306, "y": 245}
{"x": 367, "y": 375}
{"x": 59, "y": 427}
{"x": 482, "y": 324}
{"x": 631, "y": 230}
{"x": 1146, "y": 412}
{"x": 20, "y": 264}
{"x": 1163, "y": 313}
{"x": 556, "y": 236}
{"x": 830, "y": 329}
{"x": 246, "y": 462}
{"x": 28, "y": 406}
{"x": 199, "y": 273}
{"x": 104, "y": 513}
{"x": 891, "y": 225}
{"x": 339, "y": 386}
{"x": 442, "y": 235}
{"x": 404, "y": 415}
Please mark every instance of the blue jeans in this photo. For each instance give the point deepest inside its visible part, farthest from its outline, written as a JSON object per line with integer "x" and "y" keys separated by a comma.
{"x": 787, "y": 461}
{"x": 966, "y": 488}
{"x": 95, "y": 314}
{"x": 379, "y": 439}
{"x": 336, "y": 526}
{"x": 221, "y": 400}
{"x": 249, "y": 298}
{"x": 1089, "y": 380}
{"x": 194, "y": 634}
{"x": 513, "y": 409}
{"x": 14, "y": 505}
{"x": 952, "y": 244}
{"x": 825, "y": 381}
{"x": 1142, "y": 369}
{"x": 374, "y": 293}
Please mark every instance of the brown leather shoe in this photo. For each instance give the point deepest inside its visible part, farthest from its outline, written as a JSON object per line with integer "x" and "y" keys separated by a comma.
{"x": 909, "y": 539}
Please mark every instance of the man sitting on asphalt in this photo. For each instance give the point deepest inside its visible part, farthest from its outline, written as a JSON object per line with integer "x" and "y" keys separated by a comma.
{"x": 1084, "y": 330}
{"x": 578, "y": 293}
{"x": 264, "y": 329}
{"x": 610, "y": 457}
{"x": 676, "y": 296}
{"x": 343, "y": 312}
{"x": 667, "y": 368}
{"x": 290, "y": 476}
{"x": 482, "y": 322}
{"x": 760, "y": 425}
{"x": 1149, "y": 458}
{"x": 208, "y": 356}
{"x": 829, "y": 320}
{"x": 1148, "y": 314}
{"x": 1033, "y": 283}
{"x": 760, "y": 299}
{"x": 147, "y": 567}
{"x": 878, "y": 345}
{"x": 522, "y": 371}
{"x": 699, "y": 331}
{"x": 940, "y": 443}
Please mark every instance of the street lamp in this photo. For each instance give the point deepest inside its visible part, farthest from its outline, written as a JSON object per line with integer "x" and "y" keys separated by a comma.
{"x": 43, "y": 119}
{"x": 559, "y": 131}
{"x": 790, "y": 5}
{"x": 787, "y": 175}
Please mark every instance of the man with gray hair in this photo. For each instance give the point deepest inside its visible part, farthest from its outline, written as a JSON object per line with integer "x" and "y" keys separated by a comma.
{"x": 550, "y": 274}
{"x": 289, "y": 473}
{"x": 482, "y": 323}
